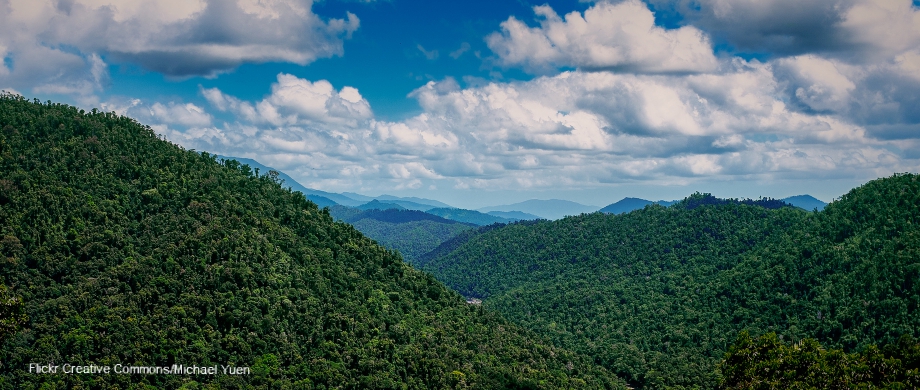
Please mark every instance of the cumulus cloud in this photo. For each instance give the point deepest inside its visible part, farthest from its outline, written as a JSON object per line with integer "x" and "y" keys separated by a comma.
{"x": 608, "y": 36}
{"x": 186, "y": 114}
{"x": 646, "y": 104}
{"x": 62, "y": 46}
{"x": 295, "y": 101}
{"x": 572, "y": 129}
{"x": 859, "y": 30}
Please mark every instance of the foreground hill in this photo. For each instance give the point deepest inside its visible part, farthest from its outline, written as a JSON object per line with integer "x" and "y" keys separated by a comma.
{"x": 126, "y": 249}
{"x": 658, "y": 295}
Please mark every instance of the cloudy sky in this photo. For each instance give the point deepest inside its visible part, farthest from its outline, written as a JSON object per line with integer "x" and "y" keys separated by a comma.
{"x": 478, "y": 102}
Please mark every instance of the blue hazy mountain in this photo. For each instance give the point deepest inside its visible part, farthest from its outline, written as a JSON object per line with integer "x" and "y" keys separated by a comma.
{"x": 514, "y": 215}
{"x": 626, "y": 205}
{"x": 378, "y": 205}
{"x": 409, "y": 202}
{"x": 408, "y": 205}
{"x": 806, "y": 202}
{"x": 430, "y": 202}
{"x": 547, "y": 209}
{"x": 469, "y": 216}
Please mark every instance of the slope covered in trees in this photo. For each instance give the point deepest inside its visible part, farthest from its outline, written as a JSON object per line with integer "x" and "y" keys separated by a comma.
{"x": 126, "y": 249}
{"x": 410, "y": 232}
{"x": 657, "y": 295}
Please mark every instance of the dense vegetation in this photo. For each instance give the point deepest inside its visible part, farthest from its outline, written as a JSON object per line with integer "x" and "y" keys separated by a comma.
{"x": 769, "y": 363}
{"x": 410, "y": 232}
{"x": 127, "y": 249}
{"x": 658, "y": 294}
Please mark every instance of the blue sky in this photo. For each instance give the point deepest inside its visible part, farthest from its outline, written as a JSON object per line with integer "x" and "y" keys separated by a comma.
{"x": 477, "y": 103}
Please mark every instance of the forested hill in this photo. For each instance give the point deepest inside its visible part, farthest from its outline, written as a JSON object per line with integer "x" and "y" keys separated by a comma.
{"x": 658, "y": 294}
{"x": 126, "y": 249}
{"x": 410, "y": 232}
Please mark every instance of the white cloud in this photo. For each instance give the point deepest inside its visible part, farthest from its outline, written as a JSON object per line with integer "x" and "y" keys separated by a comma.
{"x": 647, "y": 105}
{"x": 63, "y": 46}
{"x": 186, "y": 114}
{"x": 570, "y": 130}
{"x": 295, "y": 101}
{"x": 608, "y": 36}
{"x": 864, "y": 31}
{"x": 817, "y": 82}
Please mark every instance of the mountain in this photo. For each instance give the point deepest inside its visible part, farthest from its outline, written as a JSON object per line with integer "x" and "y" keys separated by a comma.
{"x": 421, "y": 201}
{"x": 378, "y": 205}
{"x": 547, "y": 209}
{"x": 514, "y": 215}
{"x": 411, "y": 203}
{"x": 408, "y": 205}
{"x": 126, "y": 249}
{"x": 625, "y": 205}
{"x": 469, "y": 216}
{"x": 658, "y": 295}
{"x": 806, "y": 202}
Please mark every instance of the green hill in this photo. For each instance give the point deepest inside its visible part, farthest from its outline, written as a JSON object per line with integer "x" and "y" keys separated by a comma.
{"x": 410, "y": 232}
{"x": 126, "y": 249}
{"x": 657, "y": 295}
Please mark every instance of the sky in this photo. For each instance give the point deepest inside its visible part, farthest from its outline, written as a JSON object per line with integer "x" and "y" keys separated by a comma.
{"x": 477, "y": 103}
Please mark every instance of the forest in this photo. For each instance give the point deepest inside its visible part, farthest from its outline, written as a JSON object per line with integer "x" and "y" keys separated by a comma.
{"x": 118, "y": 247}
{"x": 660, "y": 295}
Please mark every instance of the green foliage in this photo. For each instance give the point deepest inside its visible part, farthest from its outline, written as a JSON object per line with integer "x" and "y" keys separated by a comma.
{"x": 412, "y": 233}
{"x": 127, "y": 249}
{"x": 768, "y": 363}
{"x": 658, "y": 294}
{"x": 12, "y": 315}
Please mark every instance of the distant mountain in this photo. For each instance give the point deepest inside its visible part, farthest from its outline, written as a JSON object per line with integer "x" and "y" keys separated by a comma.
{"x": 410, "y": 202}
{"x": 469, "y": 216}
{"x": 430, "y": 202}
{"x": 806, "y": 202}
{"x": 625, "y": 205}
{"x": 548, "y": 209}
{"x": 406, "y": 204}
{"x": 321, "y": 201}
{"x": 295, "y": 186}
{"x": 514, "y": 215}
{"x": 378, "y": 205}
{"x": 358, "y": 197}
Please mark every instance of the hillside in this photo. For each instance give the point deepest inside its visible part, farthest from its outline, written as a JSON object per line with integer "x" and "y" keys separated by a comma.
{"x": 412, "y": 233}
{"x": 658, "y": 295}
{"x": 126, "y": 249}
